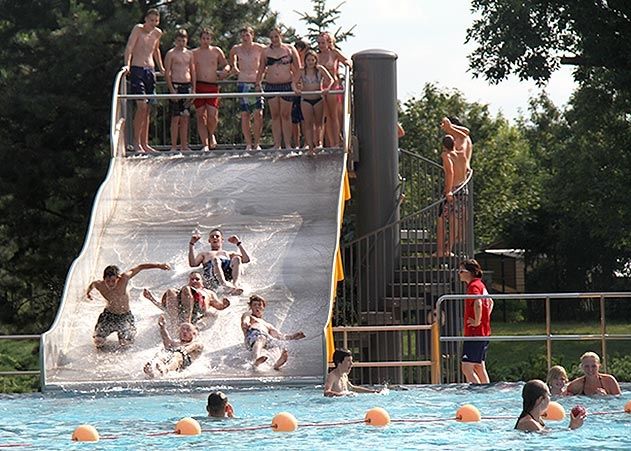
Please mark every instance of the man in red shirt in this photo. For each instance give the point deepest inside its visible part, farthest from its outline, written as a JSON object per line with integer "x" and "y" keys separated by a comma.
{"x": 477, "y": 323}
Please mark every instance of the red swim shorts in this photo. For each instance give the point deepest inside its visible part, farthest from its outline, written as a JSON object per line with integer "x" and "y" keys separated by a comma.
{"x": 203, "y": 87}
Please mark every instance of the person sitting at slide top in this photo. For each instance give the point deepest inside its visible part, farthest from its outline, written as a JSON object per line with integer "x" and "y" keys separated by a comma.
{"x": 189, "y": 304}
{"x": 536, "y": 398}
{"x": 337, "y": 383}
{"x": 259, "y": 334}
{"x": 221, "y": 268}
{"x": 218, "y": 406}
{"x": 117, "y": 316}
{"x": 177, "y": 354}
{"x": 593, "y": 382}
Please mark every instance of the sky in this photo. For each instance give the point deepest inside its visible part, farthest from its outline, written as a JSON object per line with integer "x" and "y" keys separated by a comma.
{"x": 428, "y": 51}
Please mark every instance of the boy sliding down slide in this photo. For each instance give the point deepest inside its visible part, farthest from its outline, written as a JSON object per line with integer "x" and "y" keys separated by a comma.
{"x": 259, "y": 334}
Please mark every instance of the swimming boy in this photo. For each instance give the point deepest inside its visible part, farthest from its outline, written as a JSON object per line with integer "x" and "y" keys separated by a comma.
{"x": 177, "y": 354}
{"x": 221, "y": 268}
{"x": 259, "y": 334}
{"x": 141, "y": 55}
{"x": 180, "y": 78}
{"x": 208, "y": 59}
{"x": 337, "y": 383}
{"x": 244, "y": 60}
{"x": 117, "y": 316}
{"x": 218, "y": 406}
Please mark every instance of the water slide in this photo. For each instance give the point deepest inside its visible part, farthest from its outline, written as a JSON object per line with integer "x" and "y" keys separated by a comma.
{"x": 286, "y": 208}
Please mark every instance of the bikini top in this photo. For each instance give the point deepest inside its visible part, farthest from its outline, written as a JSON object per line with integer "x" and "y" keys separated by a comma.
{"x": 311, "y": 80}
{"x": 285, "y": 59}
{"x": 540, "y": 421}
{"x": 600, "y": 381}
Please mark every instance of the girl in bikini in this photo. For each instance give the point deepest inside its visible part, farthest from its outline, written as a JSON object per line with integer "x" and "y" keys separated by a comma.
{"x": 279, "y": 63}
{"x": 593, "y": 382}
{"x": 536, "y": 398}
{"x": 313, "y": 77}
{"x": 330, "y": 58}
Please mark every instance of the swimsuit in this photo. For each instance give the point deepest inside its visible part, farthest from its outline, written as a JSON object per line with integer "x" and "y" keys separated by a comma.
{"x": 285, "y": 59}
{"x": 280, "y": 87}
{"x": 296, "y": 111}
{"x": 204, "y": 87}
{"x": 109, "y": 322}
{"x": 210, "y": 278}
{"x": 199, "y": 305}
{"x": 247, "y": 104}
{"x": 600, "y": 381}
{"x": 457, "y": 206}
{"x": 142, "y": 80}
{"x": 186, "y": 357}
{"x": 181, "y": 107}
{"x": 252, "y": 335}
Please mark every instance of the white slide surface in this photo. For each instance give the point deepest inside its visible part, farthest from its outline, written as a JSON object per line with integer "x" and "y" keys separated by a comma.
{"x": 285, "y": 209}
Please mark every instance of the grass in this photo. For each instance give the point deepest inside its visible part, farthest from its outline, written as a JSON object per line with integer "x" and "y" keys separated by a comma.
{"x": 527, "y": 359}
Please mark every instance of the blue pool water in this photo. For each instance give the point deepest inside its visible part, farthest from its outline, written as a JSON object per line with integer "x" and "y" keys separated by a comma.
{"x": 127, "y": 420}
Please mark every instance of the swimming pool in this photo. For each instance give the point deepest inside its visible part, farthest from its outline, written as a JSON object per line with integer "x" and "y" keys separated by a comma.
{"x": 135, "y": 419}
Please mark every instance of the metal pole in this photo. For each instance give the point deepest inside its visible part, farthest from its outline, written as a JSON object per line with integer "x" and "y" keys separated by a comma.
{"x": 603, "y": 331}
{"x": 548, "y": 332}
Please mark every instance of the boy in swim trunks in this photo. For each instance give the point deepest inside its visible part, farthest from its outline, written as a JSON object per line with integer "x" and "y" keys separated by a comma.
{"x": 177, "y": 354}
{"x": 208, "y": 59}
{"x": 117, "y": 316}
{"x": 337, "y": 383}
{"x": 180, "y": 78}
{"x": 221, "y": 268}
{"x": 141, "y": 54}
{"x": 259, "y": 334}
{"x": 244, "y": 60}
{"x": 190, "y": 304}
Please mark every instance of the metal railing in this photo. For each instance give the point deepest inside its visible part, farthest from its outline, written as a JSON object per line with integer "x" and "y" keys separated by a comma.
{"x": 121, "y": 108}
{"x": 20, "y": 372}
{"x": 603, "y": 336}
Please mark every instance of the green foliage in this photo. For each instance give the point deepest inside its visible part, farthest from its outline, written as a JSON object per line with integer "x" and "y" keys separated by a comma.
{"x": 323, "y": 19}
{"x": 18, "y": 356}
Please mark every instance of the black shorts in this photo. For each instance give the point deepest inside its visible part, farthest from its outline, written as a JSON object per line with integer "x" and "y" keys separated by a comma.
{"x": 142, "y": 80}
{"x": 474, "y": 351}
{"x": 109, "y": 322}
{"x": 181, "y": 107}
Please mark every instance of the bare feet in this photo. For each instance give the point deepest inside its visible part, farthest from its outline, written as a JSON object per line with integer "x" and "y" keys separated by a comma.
{"x": 154, "y": 369}
{"x": 148, "y": 148}
{"x": 205, "y": 149}
{"x": 260, "y": 360}
{"x": 281, "y": 360}
{"x": 213, "y": 142}
{"x": 236, "y": 291}
{"x": 186, "y": 149}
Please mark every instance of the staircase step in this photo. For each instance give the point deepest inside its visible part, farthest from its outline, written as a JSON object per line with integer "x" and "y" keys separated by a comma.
{"x": 420, "y": 247}
{"x": 427, "y": 261}
{"x": 415, "y": 235}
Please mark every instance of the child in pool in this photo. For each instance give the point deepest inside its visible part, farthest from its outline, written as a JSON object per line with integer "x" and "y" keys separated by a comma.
{"x": 536, "y": 398}
{"x": 337, "y": 383}
{"x": 557, "y": 381}
{"x": 218, "y": 406}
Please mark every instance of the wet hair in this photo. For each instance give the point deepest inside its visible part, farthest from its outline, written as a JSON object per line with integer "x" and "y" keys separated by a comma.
{"x": 448, "y": 142}
{"x": 215, "y": 230}
{"x": 181, "y": 33}
{"x": 556, "y": 372}
{"x": 111, "y": 271}
{"x": 216, "y": 406}
{"x": 152, "y": 12}
{"x": 589, "y": 354}
{"x": 204, "y": 31}
{"x": 256, "y": 297}
{"x": 339, "y": 355}
{"x": 311, "y": 53}
{"x": 191, "y": 326}
{"x": 247, "y": 29}
{"x": 531, "y": 392}
{"x": 473, "y": 267}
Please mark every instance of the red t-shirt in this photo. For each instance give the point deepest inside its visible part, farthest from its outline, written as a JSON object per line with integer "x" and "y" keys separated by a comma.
{"x": 476, "y": 286}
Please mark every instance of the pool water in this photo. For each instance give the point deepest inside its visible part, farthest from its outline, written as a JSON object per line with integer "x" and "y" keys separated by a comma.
{"x": 135, "y": 419}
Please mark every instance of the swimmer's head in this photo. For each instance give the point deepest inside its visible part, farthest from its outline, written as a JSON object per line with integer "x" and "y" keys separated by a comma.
{"x": 590, "y": 362}
{"x": 534, "y": 393}
{"x": 557, "y": 376}
{"x": 255, "y": 298}
{"x": 216, "y": 406}
{"x": 110, "y": 275}
{"x": 448, "y": 142}
{"x": 340, "y": 355}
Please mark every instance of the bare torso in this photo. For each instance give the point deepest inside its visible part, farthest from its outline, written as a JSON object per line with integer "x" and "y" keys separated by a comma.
{"x": 179, "y": 64}
{"x": 460, "y": 161}
{"x": 143, "y": 46}
{"x": 337, "y": 383}
{"x": 330, "y": 61}
{"x": 207, "y": 61}
{"x": 218, "y": 253}
{"x": 248, "y": 57}
{"x": 117, "y": 298}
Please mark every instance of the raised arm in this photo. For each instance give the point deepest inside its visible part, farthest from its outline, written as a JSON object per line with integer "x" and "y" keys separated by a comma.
{"x": 164, "y": 333}
{"x": 148, "y": 295}
{"x": 136, "y": 269}
{"x": 194, "y": 260}
{"x": 245, "y": 257}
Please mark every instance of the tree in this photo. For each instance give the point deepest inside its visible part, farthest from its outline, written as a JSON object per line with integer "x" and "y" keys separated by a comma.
{"x": 57, "y": 64}
{"x": 322, "y": 19}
